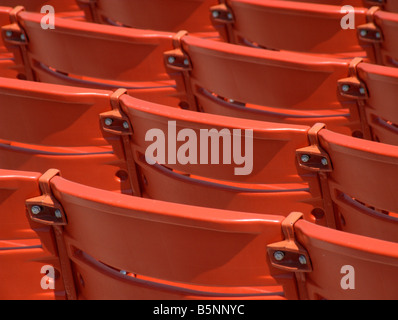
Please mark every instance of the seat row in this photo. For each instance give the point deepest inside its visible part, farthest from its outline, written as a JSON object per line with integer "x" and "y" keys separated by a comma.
{"x": 104, "y": 245}
{"x": 83, "y": 132}
{"x": 183, "y": 71}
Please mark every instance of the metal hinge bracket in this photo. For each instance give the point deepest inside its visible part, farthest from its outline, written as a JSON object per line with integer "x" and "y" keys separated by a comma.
{"x": 222, "y": 14}
{"x": 289, "y": 255}
{"x": 352, "y": 87}
{"x": 313, "y": 157}
{"x": 114, "y": 121}
{"x": 177, "y": 59}
{"x": 13, "y": 33}
{"x": 370, "y": 32}
{"x": 46, "y": 209}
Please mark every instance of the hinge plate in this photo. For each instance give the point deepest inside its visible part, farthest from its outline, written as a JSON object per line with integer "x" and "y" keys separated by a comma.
{"x": 114, "y": 121}
{"x": 222, "y": 14}
{"x": 353, "y": 88}
{"x": 288, "y": 254}
{"x": 46, "y": 209}
{"x": 13, "y": 34}
{"x": 370, "y": 33}
{"x": 177, "y": 60}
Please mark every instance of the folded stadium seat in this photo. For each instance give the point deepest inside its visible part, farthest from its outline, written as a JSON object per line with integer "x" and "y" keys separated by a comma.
{"x": 353, "y": 201}
{"x": 71, "y": 54}
{"x": 105, "y": 251}
{"x": 22, "y": 252}
{"x": 376, "y": 102}
{"x": 163, "y": 15}
{"x": 258, "y": 184}
{"x": 346, "y": 266}
{"x": 244, "y": 82}
{"x": 44, "y": 125}
{"x": 379, "y": 35}
{"x": 285, "y": 25}
{"x": 325, "y": 165}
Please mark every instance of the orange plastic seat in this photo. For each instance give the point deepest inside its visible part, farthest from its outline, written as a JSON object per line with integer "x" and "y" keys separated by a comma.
{"x": 261, "y": 188}
{"x": 163, "y": 15}
{"x": 333, "y": 252}
{"x": 71, "y": 53}
{"x": 45, "y": 125}
{"x": 375, "y": 89}
{"x": 263, "y": 85}
{"x": 379, "y": 37}
{"x": 338, "y": 160}
{"x": 358, "y": 192}
{"x": 286, "y": 25}
{"x": 117, "y": 247}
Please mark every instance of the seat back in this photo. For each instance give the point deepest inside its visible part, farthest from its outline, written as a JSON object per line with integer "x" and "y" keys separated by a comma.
{"x": 378, "y": 35}
{"x": 170, "y": 15}
{"x": 195, "y": 159}
{"x": 359, "y": 188}
{"x": 72, "y": 52}
{"x": 138, "y": 246}
{"x": 347, "y": 266}
{"x": 379, "y": 112}
{"x": 46, "y": 125}
{"x": 249, "y": 83}
{"x": 302, "y": 27}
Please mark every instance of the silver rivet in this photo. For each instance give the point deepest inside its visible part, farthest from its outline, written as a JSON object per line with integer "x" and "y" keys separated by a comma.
{"x": 324, "y": 161}
{"x": 378, "y": 35}
{"x": 279, "y": 255}
{"x": 125, "y": 125}
{"x": 22, "y": 37}
{"x": 345, "y": 88}
{"x": 8, "y": 34}
{"x": 215, "y": 14}
{"x": 35, "y": 209}
{"x": 108, "y": 121}
{"x": 305, "y": 158}
{"x": 171, "y": 60}
{"x": 230, "y": 16}
{"x": 363, "y": 33}
{"x": 123, "y": 272}
{"x": 58, "y": 214}
{"x": 303, "y": 259}
{"x": 186, "y": 62}
{"x": 231, "y": 101}
{"x": 362, "y": 90}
